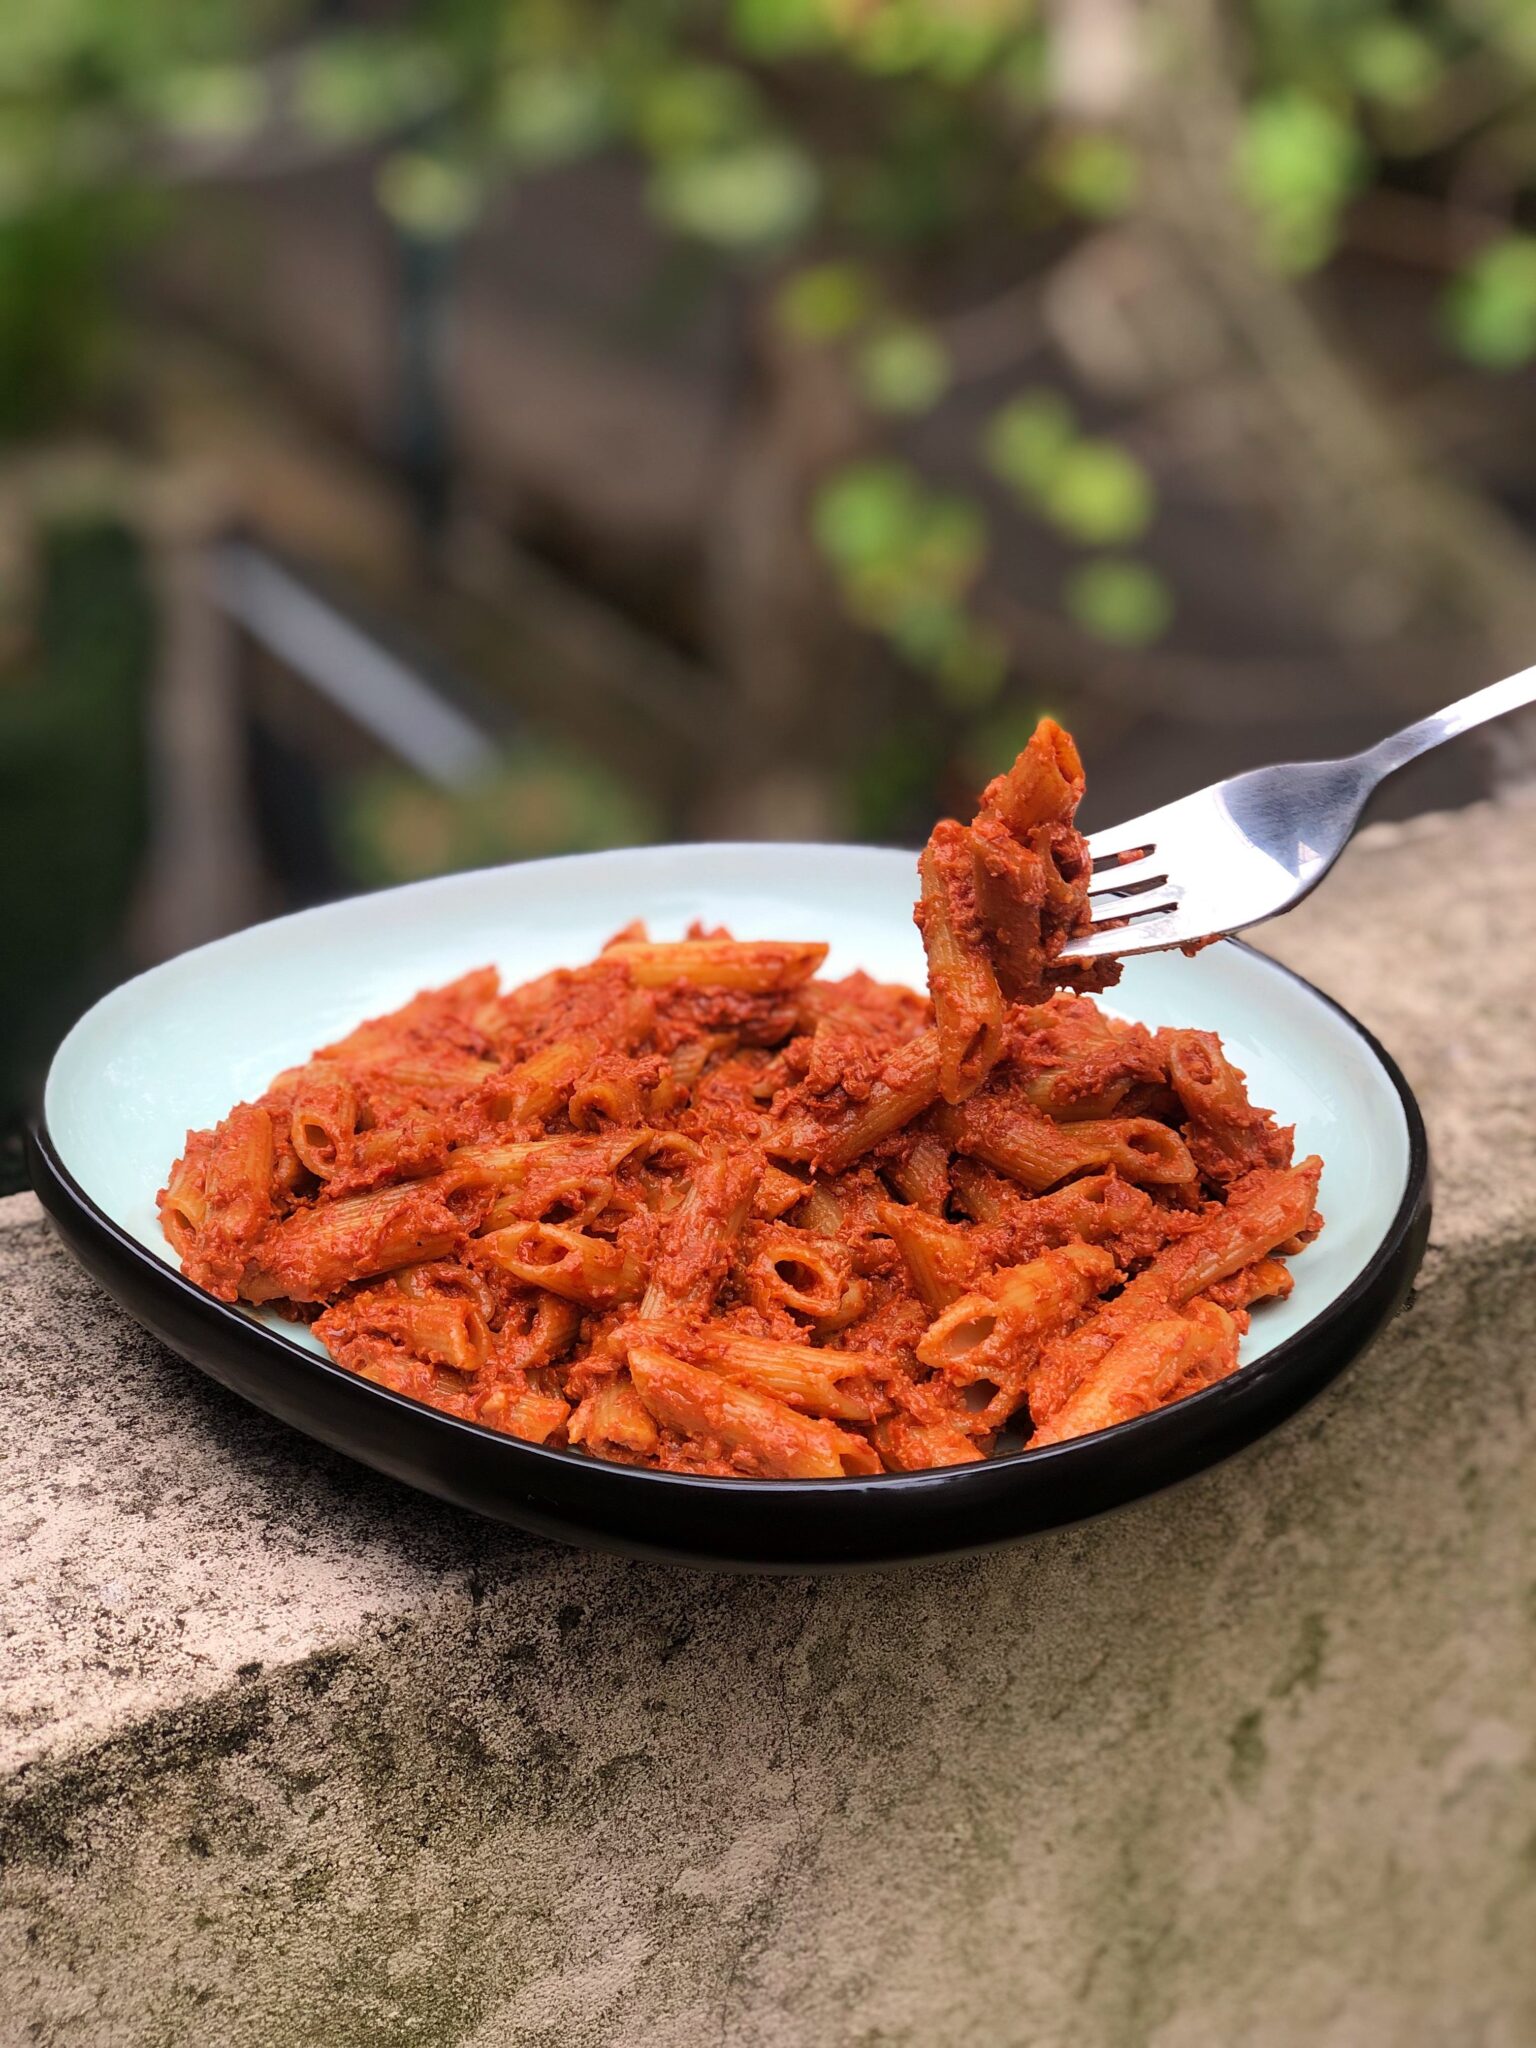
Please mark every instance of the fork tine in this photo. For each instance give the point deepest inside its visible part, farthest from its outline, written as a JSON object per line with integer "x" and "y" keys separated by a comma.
{"x": 1153, "y": 867}
{"x": 1155, "y": 903}
{"x": 1145, "y": 936}
{"x": 1130, "y": 837}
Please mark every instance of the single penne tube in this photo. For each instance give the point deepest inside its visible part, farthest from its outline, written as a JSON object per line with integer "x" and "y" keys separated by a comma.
{"x": 380, "y": 1038}
{"x": 777, "y": 1193}
{"x": 237, "y": 1184}
{"x": 922, "y": 1178}
{"x": 842, "y": 1386}
{"x": 1215, "y": 1099}
{"x": 940, "y": 1256}
{"x": 821, "y": 1211}
{"x": 700, "y": 1235}
{"x": 440, "y": 1277}
{"x": 907, "y": 1445}
{"x": 670, "y": 1160}
{"x": 524, "y": 1412}
{"x": 1160, "y": 1361}
{"x": 323, "y": 1118}
{"x": 444, "y": 1332}
{"x": 967, "y": 1003}
{"x": 436, "y": 1330}
{"x": 1060, "y": 1094}
{"x": 577, "y": 1199}
{"x": 1037, "y": 1153}
{"x": 599, "y": 1101}
{"x": 982, "y": 1194}
{"x": 585, "y": 1269}
{"x": 450, "y": 1068}
{"x": 801, "y": 1271}
{"x": 613, "y": 1421}
{"x": 782, "y": 1443}
{"x": 1097, "y": 1208}
{"x": 540, "y": 1084}
{"x": 1266, "y": 1208}
{"x": 752, "y": 966}
{"x": 908, "y": 1086}
{"x": 514, "y": 1165}
{"x": 315, "y": 1252}
{"x": 563, "y": 1179}
{"x": 238, "y": 1175}
{"x": 1267, "y": 1279}
{"x": 1043, "y": 787}
{"x": 183, "y": 1205}
{"x": 536, "y": 1331}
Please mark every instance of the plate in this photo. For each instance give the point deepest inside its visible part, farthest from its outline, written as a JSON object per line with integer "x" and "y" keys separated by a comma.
{"x": 176, "y": 1048}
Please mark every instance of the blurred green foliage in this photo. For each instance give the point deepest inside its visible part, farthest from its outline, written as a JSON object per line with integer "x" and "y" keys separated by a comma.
{"x": 542, "y": 799}
{"x": 842, "y": 155}
{"x": 74, "y": 816}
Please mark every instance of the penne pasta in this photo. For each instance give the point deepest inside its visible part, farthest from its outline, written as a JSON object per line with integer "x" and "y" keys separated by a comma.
{"x": 697, "y": 1208}
{"x": 754, "y": 966}
{"x": 700, "y": 1235}
{"x": 1038, "y": 1154}
{"x": 967, "y": 1001}
{"x": 1162, "y": 1360}
{"x": 842, "y": 1386}
{"x": 779, "y": 1442}
{"x": 941, "y": 1257}
{"x": 613, "y": 1422}
{"x": 568, "y": 1262}
{"x": 908, "y": 1086}
{"x": 995, "y": 1334}
{"x": 317, "y": 1251}
{"x": 1266, "y": 1210}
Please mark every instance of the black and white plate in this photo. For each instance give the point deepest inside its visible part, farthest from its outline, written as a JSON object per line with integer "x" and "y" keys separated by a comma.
{"x": 176, "y": 1048}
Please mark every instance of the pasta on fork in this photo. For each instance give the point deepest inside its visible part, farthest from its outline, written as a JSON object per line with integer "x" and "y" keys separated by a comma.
{"x": 694, "y": 1207}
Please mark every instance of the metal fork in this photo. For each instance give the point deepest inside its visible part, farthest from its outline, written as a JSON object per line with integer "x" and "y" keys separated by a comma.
{"x": 1251, "y": 847}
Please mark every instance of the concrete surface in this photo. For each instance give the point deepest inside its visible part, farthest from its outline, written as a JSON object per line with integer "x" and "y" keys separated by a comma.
{"x": 294, "y": 1757}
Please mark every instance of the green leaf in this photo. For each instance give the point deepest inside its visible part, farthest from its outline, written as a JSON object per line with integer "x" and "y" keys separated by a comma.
{"x": 780, "y": 28}
{"x": 903, "y": 369}
{"x": 949, "y": 542}
{"x": 213, "y": 102}
{"x": 1298, "y": 162}
{"x": 357, "y": 87}
{"x": 1126, "y": 603}
{"x": 542, "y": 799}
{"x": 1491, "y": 308}
{"x": 1093, "y": 174}
{"x": 754, "y": 195}
{"x": 866, "y": 514}
{"x": 693, "y": 109}
{"x": 1025, "y": 440}
{"x": 973, "y": 670}
{"x": 954, "y": 44}
{"x": 1098, "y": 494}
{"x": 427, "y": 195}
{"x": 1394, "y": 63}
{"x": 553, "y": 113}
{"x": 826, "y": 301}
{"x": 927, "y": 627}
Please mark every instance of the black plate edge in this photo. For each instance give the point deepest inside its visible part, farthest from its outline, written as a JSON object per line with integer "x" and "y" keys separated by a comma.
{"x": 774, "y": 1524}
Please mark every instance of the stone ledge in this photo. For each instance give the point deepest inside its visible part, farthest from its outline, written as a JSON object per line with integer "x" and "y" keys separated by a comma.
{"x": 297, "y": 1757}
{"x": 1251, "y": 1762}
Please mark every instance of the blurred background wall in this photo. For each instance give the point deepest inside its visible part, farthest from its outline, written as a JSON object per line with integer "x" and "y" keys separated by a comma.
{"x": 447, "y": 433}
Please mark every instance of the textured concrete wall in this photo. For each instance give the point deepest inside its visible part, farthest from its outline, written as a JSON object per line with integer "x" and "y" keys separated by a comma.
{"x": 294, "y": 1757}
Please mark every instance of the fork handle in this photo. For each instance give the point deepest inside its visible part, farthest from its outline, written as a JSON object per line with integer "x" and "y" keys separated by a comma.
{"x": 1399, "y": 748}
